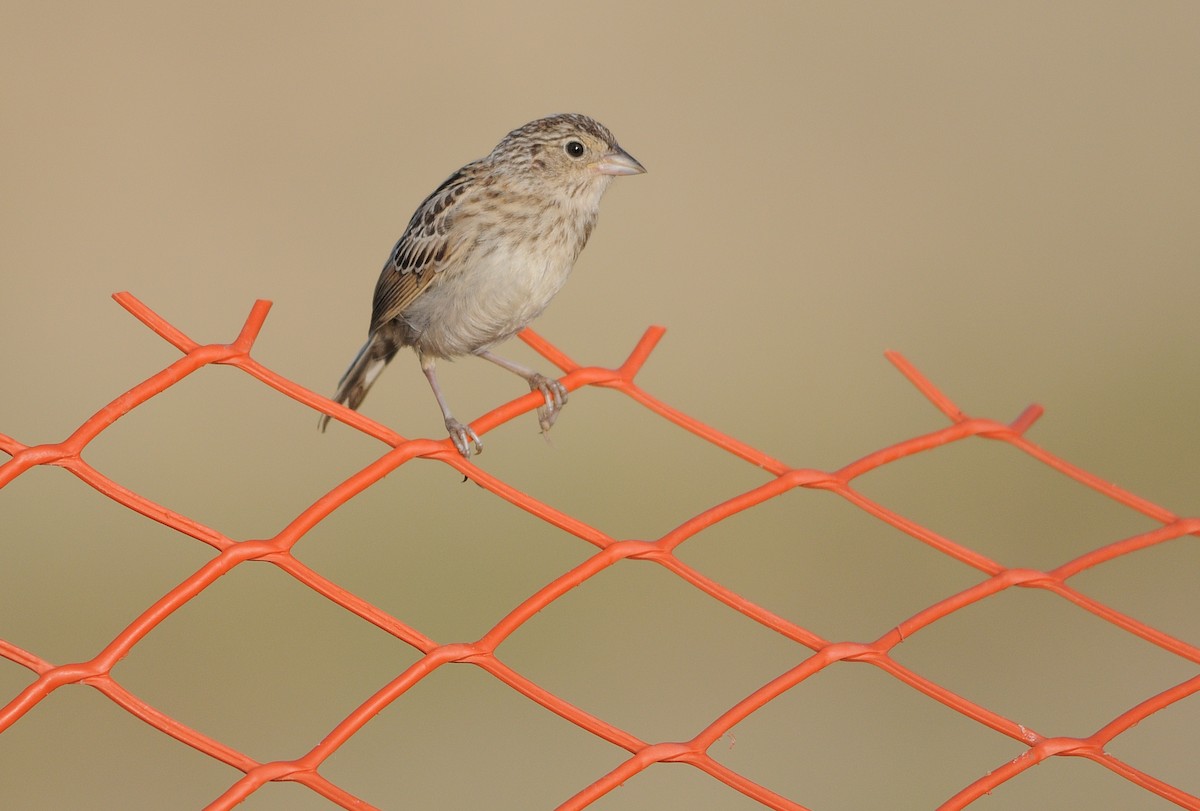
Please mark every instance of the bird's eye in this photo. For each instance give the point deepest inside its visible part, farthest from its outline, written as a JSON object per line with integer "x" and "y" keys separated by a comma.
{"x": 574, "y": 149}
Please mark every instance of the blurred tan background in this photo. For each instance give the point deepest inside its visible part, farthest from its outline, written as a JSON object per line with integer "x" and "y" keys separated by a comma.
{"x": 1007, "y": 193}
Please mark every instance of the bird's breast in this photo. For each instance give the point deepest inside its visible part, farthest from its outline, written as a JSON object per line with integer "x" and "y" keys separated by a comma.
{"x": 493, "y": 289}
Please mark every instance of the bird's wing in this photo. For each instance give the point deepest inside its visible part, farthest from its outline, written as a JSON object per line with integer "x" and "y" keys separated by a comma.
{"x": 426, "y": 247}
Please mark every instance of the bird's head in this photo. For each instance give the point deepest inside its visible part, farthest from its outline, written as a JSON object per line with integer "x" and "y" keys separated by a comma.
{"x": 571, "y": 148}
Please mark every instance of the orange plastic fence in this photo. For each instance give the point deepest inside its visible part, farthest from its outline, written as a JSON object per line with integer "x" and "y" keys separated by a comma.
{"x": 642, "y": 754}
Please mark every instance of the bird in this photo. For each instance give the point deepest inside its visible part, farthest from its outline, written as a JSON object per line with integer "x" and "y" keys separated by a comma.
{"x": 484, "y": 254}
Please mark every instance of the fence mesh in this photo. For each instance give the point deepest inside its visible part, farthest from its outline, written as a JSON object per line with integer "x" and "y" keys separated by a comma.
{"x": 814, "y": 653}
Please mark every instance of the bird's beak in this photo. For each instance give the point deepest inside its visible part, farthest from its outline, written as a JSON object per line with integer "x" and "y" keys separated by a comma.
{"x": 618, "y": 162}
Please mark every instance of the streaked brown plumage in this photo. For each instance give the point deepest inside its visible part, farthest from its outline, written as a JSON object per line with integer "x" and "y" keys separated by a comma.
{"x": 485, "y": 253}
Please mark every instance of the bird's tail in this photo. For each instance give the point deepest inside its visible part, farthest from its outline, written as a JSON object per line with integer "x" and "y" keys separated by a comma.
{"x": 375, "y": 354}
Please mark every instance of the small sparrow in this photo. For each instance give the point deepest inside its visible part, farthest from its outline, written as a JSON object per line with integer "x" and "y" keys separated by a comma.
{"x": 484, "y": 254}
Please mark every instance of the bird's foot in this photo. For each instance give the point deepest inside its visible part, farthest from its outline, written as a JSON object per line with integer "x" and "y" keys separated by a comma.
{"x": 463, "y": 438}
{"x": 556, "y": 397}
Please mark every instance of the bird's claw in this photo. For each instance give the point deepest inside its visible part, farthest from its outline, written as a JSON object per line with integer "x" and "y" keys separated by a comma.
{"x": 464, "y": 438}
{"x": 556, "y": 397}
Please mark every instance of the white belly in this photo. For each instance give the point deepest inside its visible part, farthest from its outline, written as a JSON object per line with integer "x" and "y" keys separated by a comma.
{"x": 489, "y": 298}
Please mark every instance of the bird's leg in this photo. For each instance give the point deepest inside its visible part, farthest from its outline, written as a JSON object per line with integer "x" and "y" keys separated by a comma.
{"x": 461, "y": 435}
{"x": 551, "y": 389}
